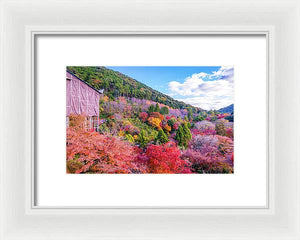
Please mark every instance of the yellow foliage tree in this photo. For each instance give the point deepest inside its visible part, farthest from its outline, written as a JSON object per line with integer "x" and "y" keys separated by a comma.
{"x": 155, "y": 122}
{"x": 167, "y": 128}
{"x": 105, "y": 98}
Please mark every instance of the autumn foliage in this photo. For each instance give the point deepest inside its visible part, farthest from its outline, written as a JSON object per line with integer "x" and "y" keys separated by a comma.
{"x": 96, "y": 153}
{"x": 139, "y": 136}
{"x": 164, "y": 159}
{"x": 155, "y": 122}
{"x": 143, "y": 116}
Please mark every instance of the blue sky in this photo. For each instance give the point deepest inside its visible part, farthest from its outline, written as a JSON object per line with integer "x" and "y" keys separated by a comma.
{"x": 206, "y": 87}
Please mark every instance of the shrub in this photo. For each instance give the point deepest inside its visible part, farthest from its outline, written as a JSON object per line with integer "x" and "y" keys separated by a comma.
{"x": 143, "y": 116}
{"x": 117, "y": 116}
{"x": 225, "y": 145}
{"x": 213, "y": 118}
{"x": 103, "y": 128}
{"x": 213, "y": 146}
{"x": 209, "y": 132}
{"x": 220, "y": 127}
{"x": 228, "y": 124}
{"x": 204, "y": 125}
{"x": 229, "y": 133}
{"x": 95, "y": 153}
{"x": 205, "y": 144}
{"x": 165, "y": 159}
{"x": 129, "y": 128}
{"x": 73, "y": 165}
{"x": 200, "y": 163}
{"x": 175, "y": 126}
{"x": 77, "y": 121}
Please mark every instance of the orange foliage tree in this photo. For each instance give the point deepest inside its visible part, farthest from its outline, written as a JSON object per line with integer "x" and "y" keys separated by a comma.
{"x": 157, "y": 115}
{"x": 155, "y": 122}
{"x": 95, "y": 153}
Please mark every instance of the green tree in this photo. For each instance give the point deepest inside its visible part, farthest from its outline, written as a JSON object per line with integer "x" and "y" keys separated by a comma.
{"x": 199, "y": 118}
{"x": 171, "y": 122}
{"x": 143, "y": 139}
{"x": 151, "y": 109}
{"x": 202, "y": 116}
{"x": 179, "y": 137}
{"x": 187, "y": 132}
{"x": 213, "y": 118}
{"x": 156, "y": 108}
{"x": 183, "y": 135}
{"x": 161, "y": 137}
{"x": 190, "y": 113}
{"x": 164, "y": 110}
{"x": 129, "y": 138}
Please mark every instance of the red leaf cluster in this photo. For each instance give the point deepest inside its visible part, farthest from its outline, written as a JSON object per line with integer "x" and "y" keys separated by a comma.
{"x": 157, "y": 115}
{"x": 143, "y": 116}
{"x": 165, "y": 159}
{"x": 96, "y": 153}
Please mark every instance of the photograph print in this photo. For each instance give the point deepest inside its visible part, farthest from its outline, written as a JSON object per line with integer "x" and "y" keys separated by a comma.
{"x": 150, "y": 119}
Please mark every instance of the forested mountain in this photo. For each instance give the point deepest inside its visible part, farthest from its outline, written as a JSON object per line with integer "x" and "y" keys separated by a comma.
{"x": 133, "y": 131}
{"x": 228, "y": 109}
{"x": 116, "y": 84}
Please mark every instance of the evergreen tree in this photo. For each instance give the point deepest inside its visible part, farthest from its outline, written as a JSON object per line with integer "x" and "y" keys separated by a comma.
{"x": 200, "y": 117}
{"x": 179, "y": 137}
{"x": 143, "y": 139}
{"x": 190, "y": 113}
{"x": 161, "y": 137}
{"x": 183, "y": 135}
{"x": 187, "y": 132}
{"x": 151, "y": 109}
{"x": 156, "y": 108}
{"x": 171, "y": 122}
{"x": 164, "y": 110}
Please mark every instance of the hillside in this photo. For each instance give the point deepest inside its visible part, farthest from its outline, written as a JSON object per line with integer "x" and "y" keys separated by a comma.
{"x": 116, "y": 84}
{"x": 228, "y": 109}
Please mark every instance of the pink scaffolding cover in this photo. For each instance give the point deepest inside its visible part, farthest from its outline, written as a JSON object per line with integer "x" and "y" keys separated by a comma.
{"x": 81, "y": 98}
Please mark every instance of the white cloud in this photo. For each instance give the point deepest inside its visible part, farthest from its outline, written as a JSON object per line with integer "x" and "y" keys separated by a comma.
{"x": 207, "y": 91}
{"x": 225, "y": 73}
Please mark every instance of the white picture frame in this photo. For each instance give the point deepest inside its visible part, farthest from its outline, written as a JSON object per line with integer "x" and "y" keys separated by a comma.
{"x": 22, "y": 20}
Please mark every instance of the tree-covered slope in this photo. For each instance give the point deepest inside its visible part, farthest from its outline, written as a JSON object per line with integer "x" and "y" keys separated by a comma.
{"x": 228, "y": 109}
{"x": 116, "y": 84}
